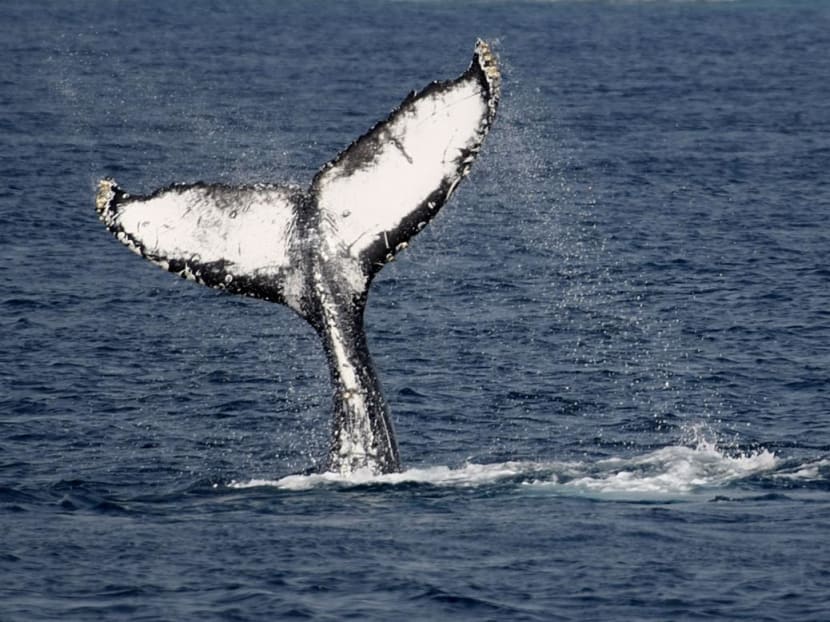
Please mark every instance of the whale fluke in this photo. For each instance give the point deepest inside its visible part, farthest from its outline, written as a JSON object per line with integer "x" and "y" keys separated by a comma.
{"x": 317, "y": 250}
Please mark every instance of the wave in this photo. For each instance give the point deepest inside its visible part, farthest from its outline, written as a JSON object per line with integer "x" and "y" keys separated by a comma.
{"x": 811, "y": 471}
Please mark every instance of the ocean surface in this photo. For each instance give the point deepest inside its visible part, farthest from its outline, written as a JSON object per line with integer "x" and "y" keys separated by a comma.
{"x": 608, "y": 358}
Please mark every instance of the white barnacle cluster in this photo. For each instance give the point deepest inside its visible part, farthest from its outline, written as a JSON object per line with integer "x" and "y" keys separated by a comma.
{"x": 490, "y": 66}
{"x": 488, "y": 63}
{"x": 103, "y": 198}
{"x": 109, "y": 215}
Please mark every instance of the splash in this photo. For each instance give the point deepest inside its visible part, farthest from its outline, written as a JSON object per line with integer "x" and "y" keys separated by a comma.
{"x": 674, "y": 471}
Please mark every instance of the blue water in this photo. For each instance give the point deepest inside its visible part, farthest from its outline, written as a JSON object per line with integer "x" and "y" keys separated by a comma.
{"x": 608, "y": 358}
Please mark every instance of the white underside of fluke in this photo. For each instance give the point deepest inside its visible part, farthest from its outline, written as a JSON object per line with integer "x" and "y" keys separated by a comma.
{"x": 417, "y": 152}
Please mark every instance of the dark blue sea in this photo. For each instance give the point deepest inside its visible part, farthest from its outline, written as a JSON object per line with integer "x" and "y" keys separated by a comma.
{"x": 608, "y": 358}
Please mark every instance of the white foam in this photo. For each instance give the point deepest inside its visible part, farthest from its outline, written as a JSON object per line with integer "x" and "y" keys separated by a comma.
{"x": 675, "y": 470}
{"x": 468, "y": 475}
{"x": 671, "y": 471}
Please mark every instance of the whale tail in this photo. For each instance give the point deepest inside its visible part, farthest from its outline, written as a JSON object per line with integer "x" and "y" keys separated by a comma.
{"x": 317, "y": 250}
